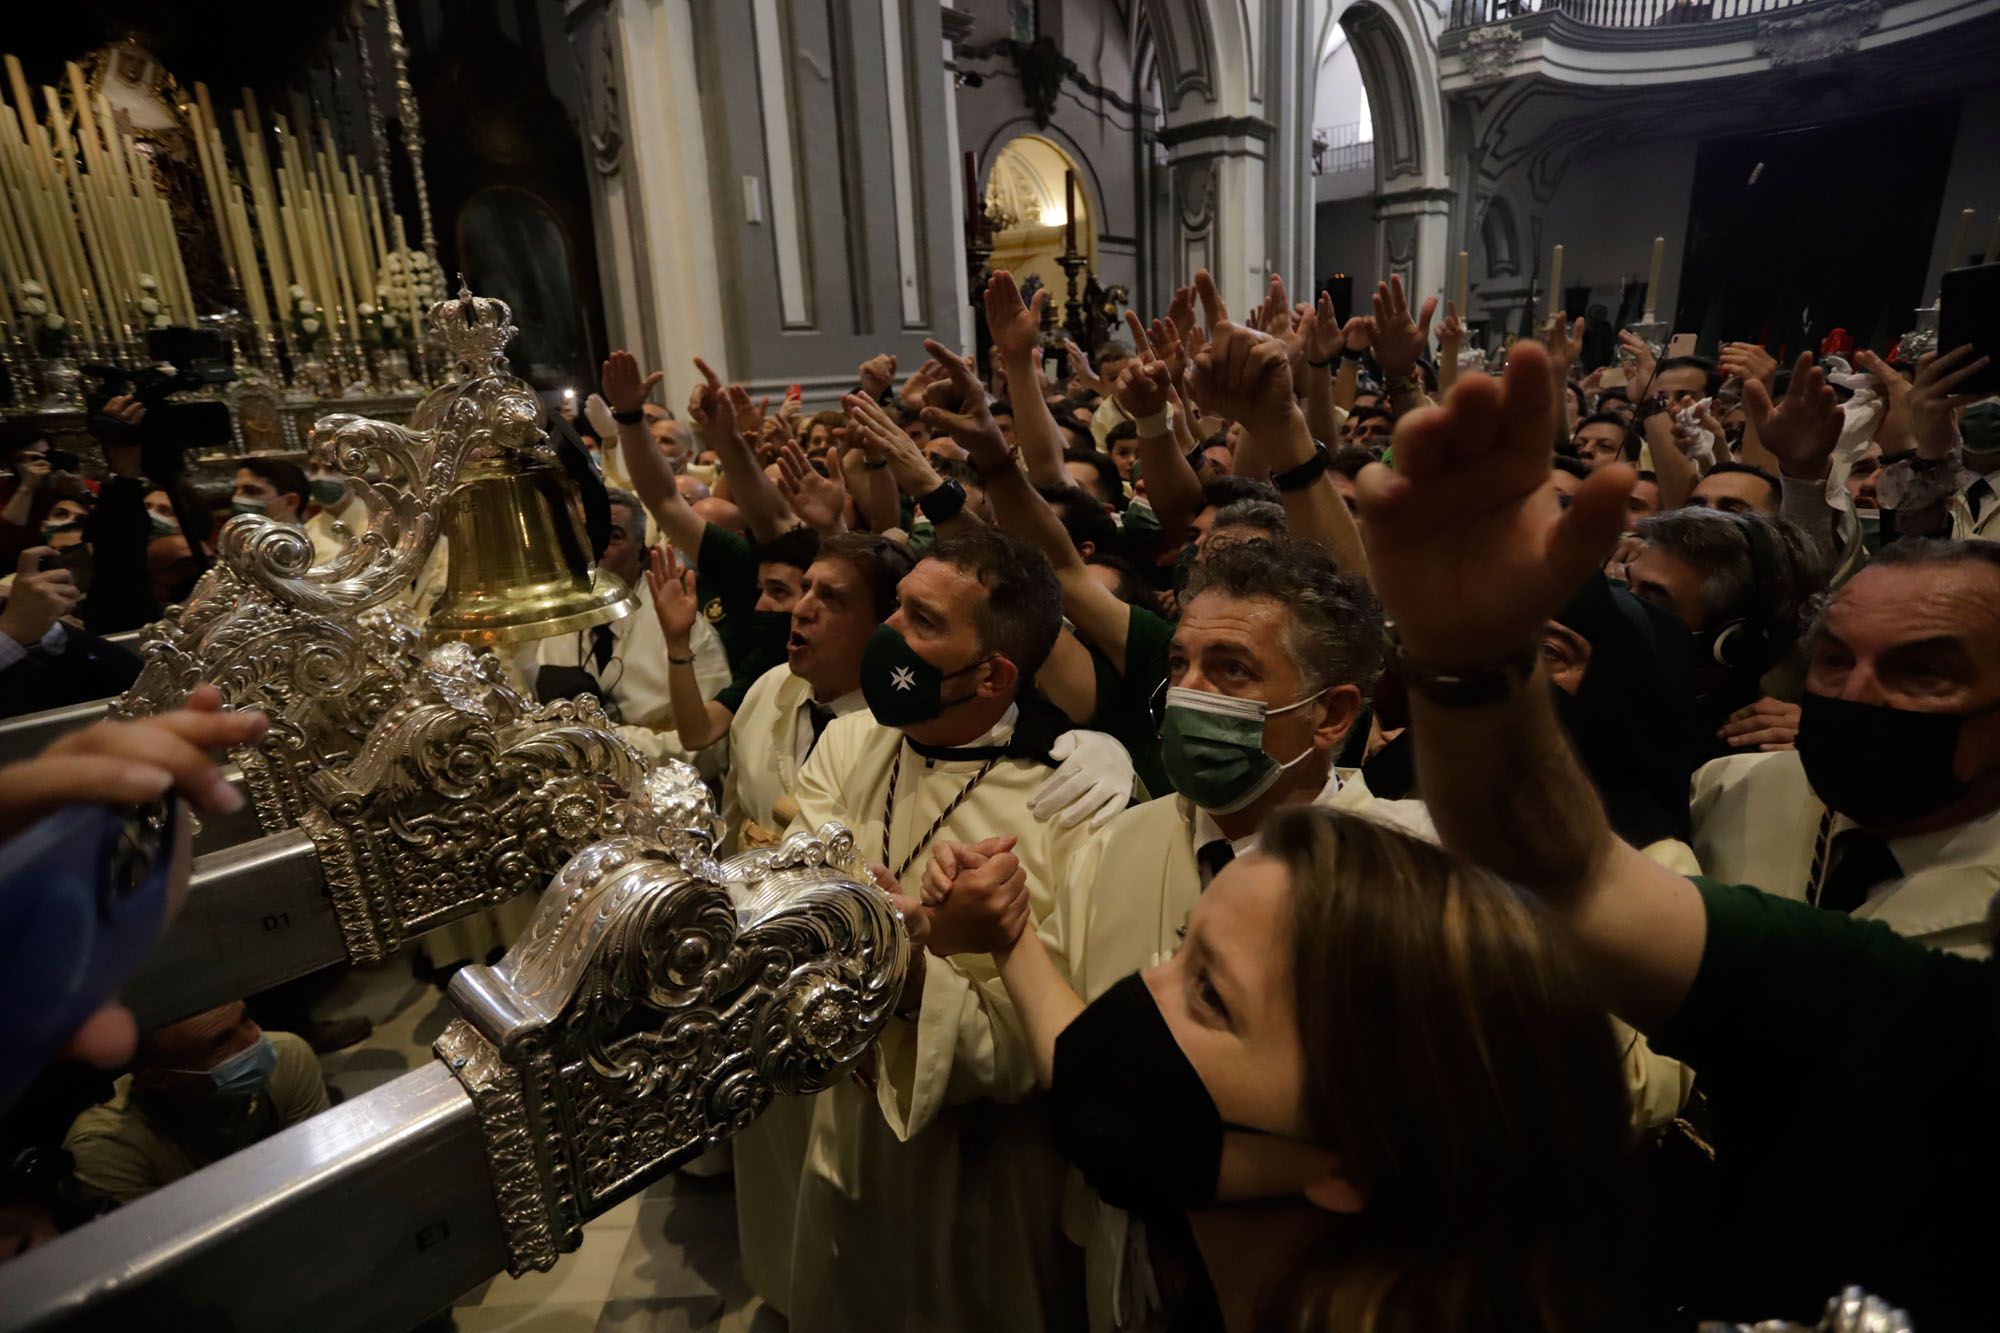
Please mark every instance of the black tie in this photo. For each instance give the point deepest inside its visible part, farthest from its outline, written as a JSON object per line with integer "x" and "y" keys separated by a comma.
{"x": 602, "y": 643}
{"x": 1861, "y": 860}
{"x": 821, "y": 714}
{"x": 1213, "y": 856}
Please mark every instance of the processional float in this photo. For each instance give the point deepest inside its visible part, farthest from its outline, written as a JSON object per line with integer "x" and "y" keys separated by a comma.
{"x": 657, "y": 1001}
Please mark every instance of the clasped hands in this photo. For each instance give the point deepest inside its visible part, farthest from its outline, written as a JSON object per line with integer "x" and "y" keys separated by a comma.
{"x": 974, "y": 898}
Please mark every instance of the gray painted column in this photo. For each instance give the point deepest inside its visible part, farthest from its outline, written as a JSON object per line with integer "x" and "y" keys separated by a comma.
{"x": 784, "y": 199}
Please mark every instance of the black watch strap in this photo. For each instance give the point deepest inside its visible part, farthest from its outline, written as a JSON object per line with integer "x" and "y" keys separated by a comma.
{"x": 1472, "y": 687}
{"x": 1349, "y": 354}
{"x": 943, "y": 504}
{"x": 631, "y": 418}
{"x": 1303, "y": 474}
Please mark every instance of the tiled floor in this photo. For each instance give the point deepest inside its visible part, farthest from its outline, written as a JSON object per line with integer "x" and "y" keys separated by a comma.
{"x": 663, "y": 1262}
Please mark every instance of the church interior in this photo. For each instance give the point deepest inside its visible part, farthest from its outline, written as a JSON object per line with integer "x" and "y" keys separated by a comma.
{"x": 549, "y": 1002}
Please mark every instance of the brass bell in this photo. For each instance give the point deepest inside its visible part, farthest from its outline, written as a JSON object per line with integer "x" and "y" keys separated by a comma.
{"x": 520, "y": 565}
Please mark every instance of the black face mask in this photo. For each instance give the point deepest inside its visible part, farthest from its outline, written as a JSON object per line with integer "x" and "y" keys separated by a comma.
{"x": 1880, "y": 766}
{"x": 770, "y": 631}
{"x": 1130, "y": 1111}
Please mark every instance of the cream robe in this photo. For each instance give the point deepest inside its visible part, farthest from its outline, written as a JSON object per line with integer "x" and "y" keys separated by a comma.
{"x": 1756, "y": 821}
{"x": 764, "y": 750}
{"x": 934, "y": 1201}
{"x": 1110, "y": 921}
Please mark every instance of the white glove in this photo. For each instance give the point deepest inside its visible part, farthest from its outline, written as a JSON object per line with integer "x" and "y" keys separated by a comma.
{"x": 598, "y": 413}
{"x": 1094, "y": 782}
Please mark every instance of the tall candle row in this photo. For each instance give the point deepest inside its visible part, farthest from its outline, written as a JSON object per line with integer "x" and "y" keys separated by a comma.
{"x": 89, "y": 240}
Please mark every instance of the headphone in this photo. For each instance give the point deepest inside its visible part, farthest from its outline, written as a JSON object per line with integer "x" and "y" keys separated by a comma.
{"x": 1745, "y": 646}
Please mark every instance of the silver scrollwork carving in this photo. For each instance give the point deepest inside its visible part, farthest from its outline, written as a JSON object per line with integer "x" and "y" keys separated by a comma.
{"x": 316, "y": 645}
{"x": 464, "y": 795}
{"x": 659, "y": 1000}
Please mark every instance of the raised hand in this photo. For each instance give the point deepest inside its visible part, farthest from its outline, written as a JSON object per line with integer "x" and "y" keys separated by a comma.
{"x": 1081, "y": 373}
{"x": 1748, "y": 361}
{"x": 1801, "y": 430}
{"x": 1641, "y": 366}
{"x": 1016, "y": 328}
{"x": 1565, "y": 343}
{"x": 1893, "y": 431}
{"x": 882, "y": 440}
{"x": 673, "y": 595}
{"x": 1180, "y": 311}
{"x": 1358, "y": 333}
{"x": 625, "y": 389}
{"x": 912, "y": 393}
{"x": 39, "y": 599}
{"x": 748, "y": 416}
{"x": 1321, "y": 332}
{"x": 1399, "y": 339}
{"x": 708, "y": 401}
{"x": 1245, "y": 376}
{"x": 1468, "y": 547}
{"x": 1931, "y": 401}
{"x": 877, "y": 373}
{"x": 958, "y": 407}
{"x": 819, "y": 501}
{"x": 1451, "y": 330}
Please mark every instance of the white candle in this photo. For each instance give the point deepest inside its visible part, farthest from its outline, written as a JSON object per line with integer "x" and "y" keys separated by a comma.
{"x": 1464, "y": 286}
{"x": 1556, "y": 282}
{"x": 1961, "y": 237}
{"x": 1653, "y": 277}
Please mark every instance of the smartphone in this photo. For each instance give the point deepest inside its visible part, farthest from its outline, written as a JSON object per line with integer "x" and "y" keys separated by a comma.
{"x": 1681, "y": 344}
{"x": 83, "y": 895}
{"x": 1969, "y": 312}
{"x": 62, "y": 460}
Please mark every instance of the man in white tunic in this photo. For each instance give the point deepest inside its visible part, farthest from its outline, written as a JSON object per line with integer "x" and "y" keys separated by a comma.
{"x": 1890, "y": 807}
{"x": 930, "y": 1198}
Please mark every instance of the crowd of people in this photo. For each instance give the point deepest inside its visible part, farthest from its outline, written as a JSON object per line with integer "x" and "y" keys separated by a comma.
{"x": 1391, "y": 846}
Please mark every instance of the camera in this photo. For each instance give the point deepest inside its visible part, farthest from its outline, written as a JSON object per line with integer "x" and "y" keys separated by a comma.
{"x": 194, "y": 359}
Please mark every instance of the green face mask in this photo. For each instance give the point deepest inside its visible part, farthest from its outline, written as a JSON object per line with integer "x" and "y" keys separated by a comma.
{"x": 162, "y": 527}
{"x": 901, "y": 688}
{"x": 1212, "y": 746}
{"x": 327, "y": 491}
{"x": 1871, "y": 526}
{"x": 1979, "y": 429}
{"x": 50, "y": 531}
{"x": 247, "y": 507}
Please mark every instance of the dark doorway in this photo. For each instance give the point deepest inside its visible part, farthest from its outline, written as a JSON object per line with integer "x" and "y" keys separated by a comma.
{"x": 1794, "y": 234}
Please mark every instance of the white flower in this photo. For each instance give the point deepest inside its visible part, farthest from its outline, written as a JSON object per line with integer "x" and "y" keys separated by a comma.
{"x": 34, "y": 305}
{"x": 161, "y": 322}
{"x": 148, "y": 306}
{"x": 298, "y": 293}
{"x": 365, "y": 310}
{"x": 54, "y": 323}
{"x": 308, "y": 308}
{"x": 148, "y": 283}
{"x": 388, "y": 320}
{"x": 309, "y": 325}
{"x": 32, "y": 289}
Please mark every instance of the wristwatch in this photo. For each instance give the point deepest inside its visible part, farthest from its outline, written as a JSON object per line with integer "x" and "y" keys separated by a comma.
{"x": 1472, "y": 687}
{"x": 943, "y": 504}
{"x": 1301, "y": 475}
{"x": 1409, "y": 383}
{"x": 1350, "y": 354}
{"x": 632, "y": 418}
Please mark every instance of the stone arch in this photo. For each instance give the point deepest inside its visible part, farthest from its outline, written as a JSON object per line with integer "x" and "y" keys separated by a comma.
{"x": 1397, "y": 55}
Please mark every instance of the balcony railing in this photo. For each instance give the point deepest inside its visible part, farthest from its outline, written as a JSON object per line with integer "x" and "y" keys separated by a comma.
{"x": 1615, "y": 13}
{"x": 1337, "y": 149}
